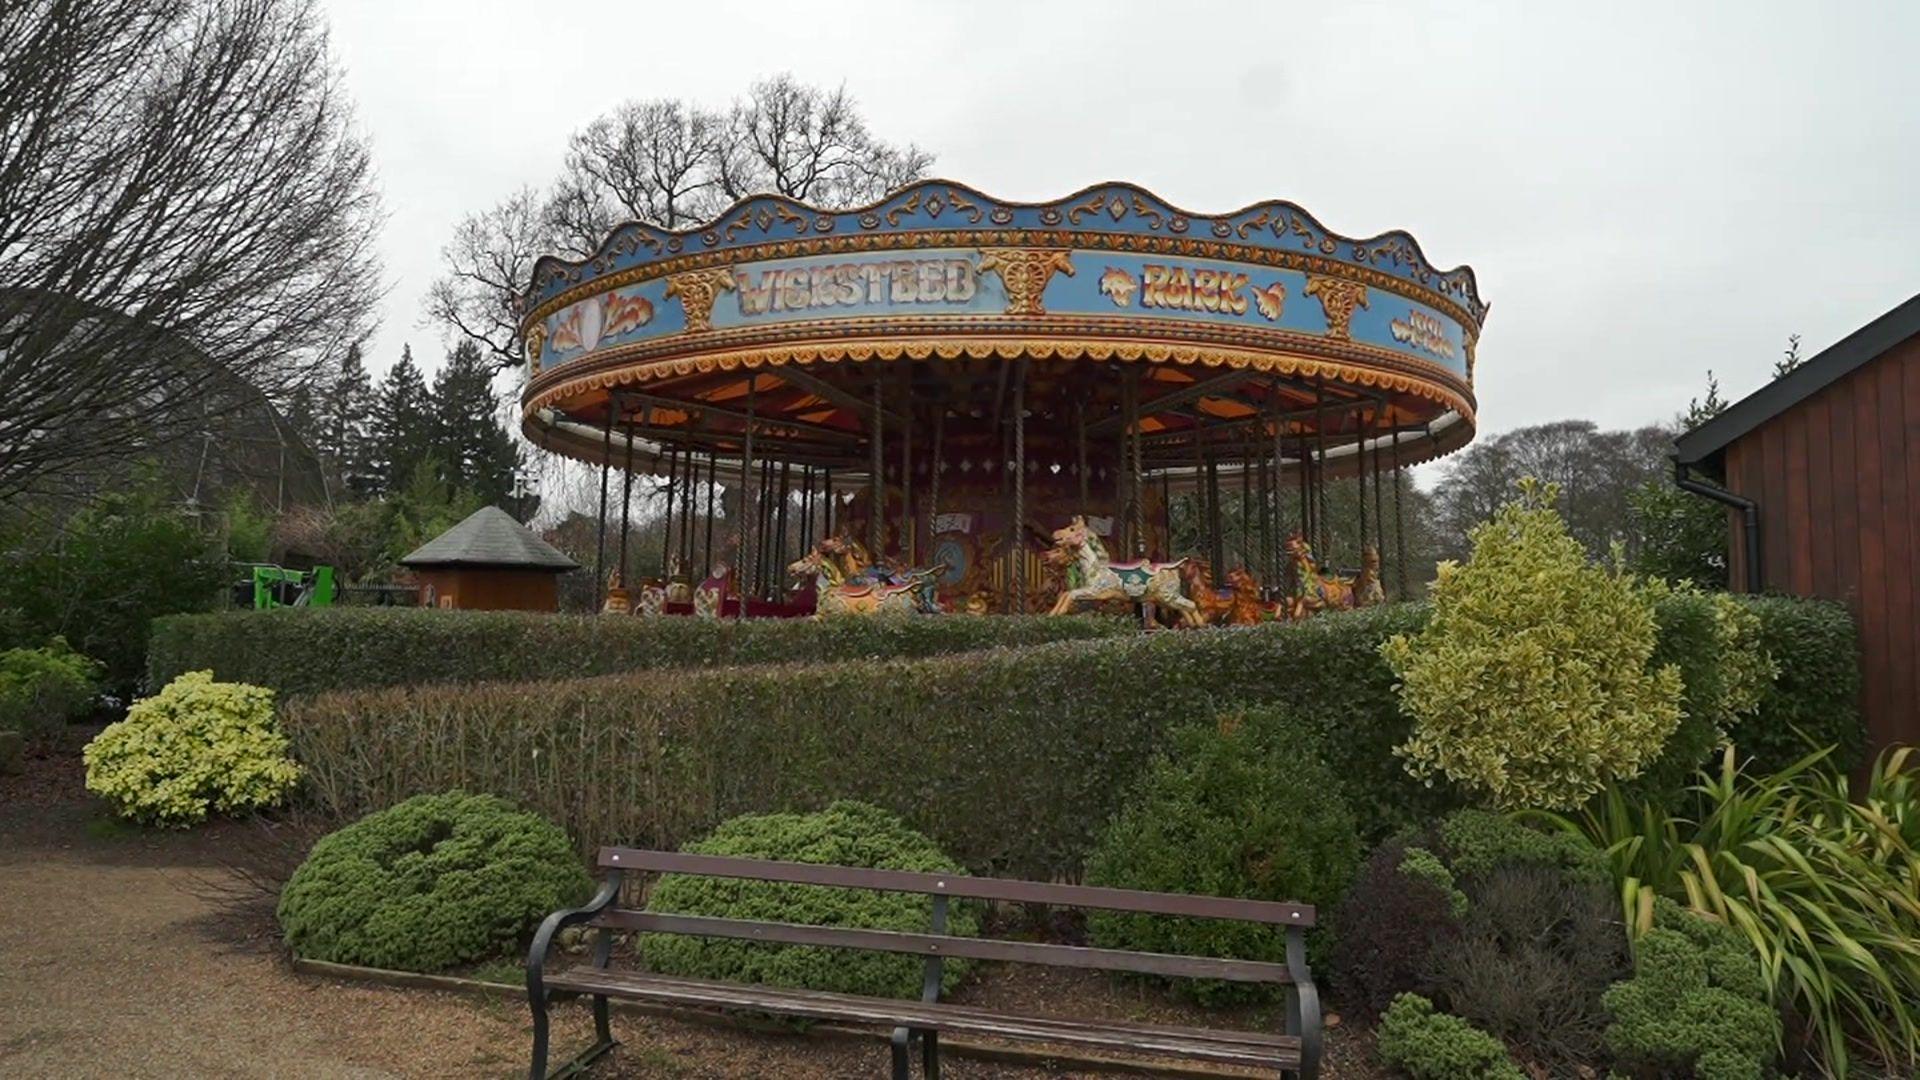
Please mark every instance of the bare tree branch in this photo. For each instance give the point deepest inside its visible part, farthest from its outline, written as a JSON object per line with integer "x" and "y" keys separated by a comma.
{"x": 182, "y": 203}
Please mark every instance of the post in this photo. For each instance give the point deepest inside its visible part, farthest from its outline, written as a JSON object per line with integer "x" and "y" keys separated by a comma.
{"x": 1138, "y": 483}
{"x": 626, "y": 508}
{"x": 713, "y": 471}
{"x": 666, "y": 532}
{"x": 779, "y": 576}
{"x": 600, "y": 540}
{"x": 1018, "y": 547}
{"x": 877, "y": 493}
{"x": 1360, "y": 478}
{"x": 1399, "y": 523}
{"x": 1080, "y": 448}
{"x": 1320, "y": 471}
{"x": 933, "y": 471}
{"x": 909, "y": 547}
{"x": 743, "y": 573}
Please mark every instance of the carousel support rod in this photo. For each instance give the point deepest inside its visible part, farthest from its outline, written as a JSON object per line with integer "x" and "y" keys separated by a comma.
{"x": 747, "y": 508}
{"x": 933, "y": 471}
{"x": 780, "y": 530}
{"x": 713, "y": 477}
{"x": 806, "y": 506}
{"x": 1360, "y": 478}
{"x": 909, "y": 546}
{"x": 1135, "y": 475}
{"x": 1080, "y": 448}
{"x": 626, "y": 505}
{"x": 802, "y": 379}
{"x": 1324, "y": 537}
{"x": 1017, "y": 546}
{"x": 1246, "y": 513}
{"x": 1166, "y": 512}
{"x": 688, "y": 508}
{"x": 1400, "y": 527}
{"x": 600, "y": 539}
{"x": 1278, "y": 469}
{"x": 876, "y": 483}
{"x": 1379, "y": 516}
{"x": 826, "y": 489}
{"x": 763, "y": 558}
{"x": 666, "y": 540}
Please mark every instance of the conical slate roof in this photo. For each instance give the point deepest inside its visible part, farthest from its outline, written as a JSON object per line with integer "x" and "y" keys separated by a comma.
{"x": 490, "y": 537}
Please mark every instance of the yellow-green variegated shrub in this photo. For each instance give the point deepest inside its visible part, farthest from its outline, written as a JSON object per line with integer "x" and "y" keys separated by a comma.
{"x": 1530, "y": 685}
{"x": 196, "y": 746}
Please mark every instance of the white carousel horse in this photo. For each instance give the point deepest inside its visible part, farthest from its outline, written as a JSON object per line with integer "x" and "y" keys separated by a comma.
{"x": 1092, "y": 579}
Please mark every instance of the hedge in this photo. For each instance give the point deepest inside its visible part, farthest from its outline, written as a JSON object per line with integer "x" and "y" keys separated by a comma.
{"x": 298, "y": 651}
{"x": 1011, "y": 758}
{"x": 1815, "y": 701}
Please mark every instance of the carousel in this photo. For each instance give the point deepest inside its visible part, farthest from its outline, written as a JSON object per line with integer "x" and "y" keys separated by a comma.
{"x": 946, "y": 402}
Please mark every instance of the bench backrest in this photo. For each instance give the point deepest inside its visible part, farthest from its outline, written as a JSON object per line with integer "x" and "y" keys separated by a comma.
{"x": 1294, "y": 916}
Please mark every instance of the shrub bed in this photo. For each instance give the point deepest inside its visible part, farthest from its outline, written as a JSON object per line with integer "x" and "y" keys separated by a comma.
{"x": 846, "y": 833}
{"x": 300, "y": 651}
{"x": 196, "y": 746}
{"x": 436, "y": 881}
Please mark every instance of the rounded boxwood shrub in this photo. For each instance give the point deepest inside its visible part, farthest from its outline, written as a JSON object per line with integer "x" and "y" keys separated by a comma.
{"x": 847, "y": 833}
{"x": 42, "y": 689}
{"x": 1430, "y": 1045}
{"x": 197, "y": 745}
{"x": 435, "y": 881}
{"x": 1696, "y": 1004}
{"x": 1245, "y": 808}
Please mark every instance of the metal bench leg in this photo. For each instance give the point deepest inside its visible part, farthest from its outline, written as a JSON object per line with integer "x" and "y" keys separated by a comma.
{"x": 538, "y": 1071}
{"x": 930, "y": 1054}
{"x": 900, "y": 1038}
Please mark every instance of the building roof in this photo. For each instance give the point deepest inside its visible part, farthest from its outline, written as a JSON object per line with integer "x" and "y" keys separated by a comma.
{"x": 490, "y": 537}
{"x": 1852, "y": 352}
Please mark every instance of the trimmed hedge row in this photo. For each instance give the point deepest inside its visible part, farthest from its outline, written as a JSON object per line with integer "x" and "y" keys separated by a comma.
{"x": 301, "y": 651}
{"x": 1011, "y": 758}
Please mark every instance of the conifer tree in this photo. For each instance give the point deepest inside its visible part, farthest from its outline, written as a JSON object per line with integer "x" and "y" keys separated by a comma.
{"x": 341, "y": 424}
{"x": 402, "y": 426}
{"x": 476, "y": 452}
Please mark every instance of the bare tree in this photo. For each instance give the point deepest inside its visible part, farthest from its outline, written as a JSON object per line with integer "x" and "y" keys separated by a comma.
{"x": 183, "y": 202}
{"x": 668, "y": 163}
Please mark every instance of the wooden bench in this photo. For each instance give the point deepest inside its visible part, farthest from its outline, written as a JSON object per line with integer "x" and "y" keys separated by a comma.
{"x": 1294, "y": 1051}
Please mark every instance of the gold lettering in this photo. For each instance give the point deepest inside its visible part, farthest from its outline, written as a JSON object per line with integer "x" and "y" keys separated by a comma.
{"x": 960, "y": 283}
{"x": 932, "y": 282}
{"x": 1153, "y": 292}
{"x": 903, "y": 284}
{"x": 1206, "y": 294}
{"x": 754, "y": 299}
{"x": 1233, "y": 293}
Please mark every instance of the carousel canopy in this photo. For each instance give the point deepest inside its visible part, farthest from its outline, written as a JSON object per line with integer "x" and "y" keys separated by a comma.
{"x": 1256, "y": 334}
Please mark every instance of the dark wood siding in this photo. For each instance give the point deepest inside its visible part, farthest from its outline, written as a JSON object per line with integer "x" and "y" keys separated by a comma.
{"x": 1837, "y": 478}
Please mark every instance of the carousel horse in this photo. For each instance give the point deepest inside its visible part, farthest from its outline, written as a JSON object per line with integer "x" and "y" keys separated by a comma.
{"x": 1213, "y": 602}
{"x": 1246, "y": 608}
{"x": 1092, "y": 579}
{"x": 1367, "y": 590}
{"x": 616, "y": 602}
{"x": 1314, "y": 590}
{"x": 653, "y": 600}
{"x": 711, "y": 596}
{"x": 867, "y": 590}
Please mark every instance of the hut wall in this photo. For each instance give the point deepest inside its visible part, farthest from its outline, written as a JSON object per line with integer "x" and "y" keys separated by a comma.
{"x": 1837, "y": 478}
{"x": 481, "y": 589}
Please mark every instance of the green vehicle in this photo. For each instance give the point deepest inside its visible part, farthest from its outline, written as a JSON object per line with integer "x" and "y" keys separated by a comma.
{"x": 272, "y": 586}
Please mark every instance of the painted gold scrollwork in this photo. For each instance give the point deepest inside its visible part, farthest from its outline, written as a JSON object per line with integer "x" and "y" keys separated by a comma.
{"x": 697, "y": 290}
{"x": 1470, "y": 338}
{"x": 1338, "y": 298}
{"x": 537, "y": 337}
{"x": 1025, "y": 273}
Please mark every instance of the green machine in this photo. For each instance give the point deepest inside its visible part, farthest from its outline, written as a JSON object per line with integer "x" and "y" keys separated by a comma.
{"x": 277, "y": 586}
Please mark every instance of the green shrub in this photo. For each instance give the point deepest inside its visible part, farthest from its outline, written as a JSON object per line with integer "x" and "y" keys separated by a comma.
{"x": 1246, "y": 809}
{"x": 1531, "y": 684}
{"x": 436, "y": 881}
{"x": 1814, "y": 701}
{"x": 845, "y": 834}
{"x": 1820, "y": 886}
{"x": 1419, "y": 864}
{"x": 42, "y": 689}
{"x": 103, "y": 574}
{"x": 1695, "y": 1006}
{"x": 1477, "y": 843}
{"x": 302, "y": 651}
{"x": 1430, "y": 1045}
{"x": 1714, "y": 641}
{"x": 196, "y": 746}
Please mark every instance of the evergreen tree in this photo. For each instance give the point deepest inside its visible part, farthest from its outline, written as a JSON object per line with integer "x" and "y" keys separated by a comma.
{"x": 402, "y": 427}
{"x": 340, "y": 426}
{"x": 478, "y": 454}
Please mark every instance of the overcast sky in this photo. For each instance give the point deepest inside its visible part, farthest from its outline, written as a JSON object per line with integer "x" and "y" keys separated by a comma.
{"x": 1646, "y": 190}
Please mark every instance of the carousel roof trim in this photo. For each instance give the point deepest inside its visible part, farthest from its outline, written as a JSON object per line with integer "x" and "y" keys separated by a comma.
{"x": 1111, "y": 207}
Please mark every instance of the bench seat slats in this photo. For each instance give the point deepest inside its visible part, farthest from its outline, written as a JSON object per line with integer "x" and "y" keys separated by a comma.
{"x": 1222, "y": 1047}
{"x": 976, "y": 888}
{"x": 920, "y": 944}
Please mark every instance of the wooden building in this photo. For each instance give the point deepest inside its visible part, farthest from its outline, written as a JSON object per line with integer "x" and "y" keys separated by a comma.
{"x": 489, "y": 562}
{"x": 1820, "y": 470}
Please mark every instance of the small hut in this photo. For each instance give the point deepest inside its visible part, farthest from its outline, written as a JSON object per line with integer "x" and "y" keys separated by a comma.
{"x": 489, "y": 562}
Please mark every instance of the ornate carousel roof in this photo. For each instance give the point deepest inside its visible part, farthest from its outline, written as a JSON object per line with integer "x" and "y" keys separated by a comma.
{"x": 1222, "y": 334}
